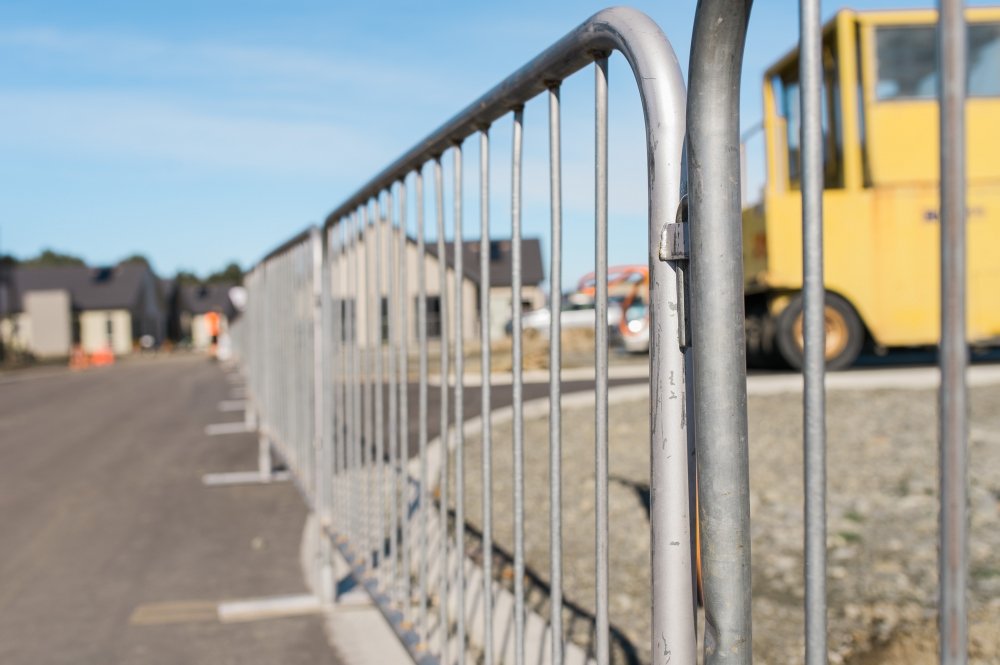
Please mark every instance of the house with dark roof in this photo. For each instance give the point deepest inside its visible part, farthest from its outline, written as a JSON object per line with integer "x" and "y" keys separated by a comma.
{"x": 501, "y": 293}
{"x": 499, "y": 286}
{"x": 46, "y": 310}
{"x": 195, "y": 305}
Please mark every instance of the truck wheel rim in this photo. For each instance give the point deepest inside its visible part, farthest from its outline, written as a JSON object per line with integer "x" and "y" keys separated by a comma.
{"x": 837, "y": 332}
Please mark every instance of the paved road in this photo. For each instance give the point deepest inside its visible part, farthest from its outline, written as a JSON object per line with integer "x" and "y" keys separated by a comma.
{"x": 102, "y": 513}
{"x": 501, "y": 396}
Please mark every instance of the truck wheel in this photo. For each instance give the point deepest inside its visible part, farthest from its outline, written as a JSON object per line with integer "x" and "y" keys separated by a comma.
{"x": 845, "y": 334}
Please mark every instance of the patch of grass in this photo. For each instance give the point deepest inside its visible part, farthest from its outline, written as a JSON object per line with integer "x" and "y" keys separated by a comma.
{"x": 854, "y": 516}
{"x": 985, "y": 573}
{"x": 850, "y": 537}
{"x": 903, "y": 487}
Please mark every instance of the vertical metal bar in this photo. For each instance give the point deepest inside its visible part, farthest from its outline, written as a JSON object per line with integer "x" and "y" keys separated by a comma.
{"x": 671, "y": 439}
{"x": 335, "y": 249}
{"x": 404, "y": 415}
{"x": 347, "y": 494}
{"x": 368, "y": 437}
{"x": 953, "y": 396}
{"x": 423, "y": 496}
{"x": 555, "y": 376}
{"x": 717, "y": 325}
{"x": 486, "y": 433}
{"x": 357, "y": 447}
{"x": 321, "y": 430}
{"x": 459, "y": 246}
{"x": 378, "y": 461}
{"x": 518, "y": 387}
{"x": 350, "y": 382}
{"x": 286, "y": 342}
{"x": 814, "y": 332}
{"x": 393, "y": 400}
{"x": 288, "y": 396}
{"x": 601, "y": 354}
{"x": 443, "y": 328}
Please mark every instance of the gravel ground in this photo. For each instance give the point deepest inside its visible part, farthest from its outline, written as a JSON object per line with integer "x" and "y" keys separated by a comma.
{"x": 882, "y": 546}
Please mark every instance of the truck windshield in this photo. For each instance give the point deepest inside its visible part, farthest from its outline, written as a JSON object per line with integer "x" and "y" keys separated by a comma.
{"x": 907, "y": 62}
{"x": 787, "y": 91}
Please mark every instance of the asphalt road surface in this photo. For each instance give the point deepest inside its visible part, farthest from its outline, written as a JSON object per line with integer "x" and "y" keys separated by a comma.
{"x": 501, "y": 395}
{"x": 112, "y": 551}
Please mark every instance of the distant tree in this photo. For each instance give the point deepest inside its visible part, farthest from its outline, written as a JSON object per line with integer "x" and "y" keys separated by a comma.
{"x": 187, "y": 277}
{"x": 50, "y": 257}
{"x": 136, "y": 258}
{"x": 8, "y": 260}
{"x": 231, "y": 274}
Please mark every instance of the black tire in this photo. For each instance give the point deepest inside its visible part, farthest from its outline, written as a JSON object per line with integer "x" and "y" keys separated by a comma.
{"x": 845, "y": 333}
{"x": 762, "y": 352}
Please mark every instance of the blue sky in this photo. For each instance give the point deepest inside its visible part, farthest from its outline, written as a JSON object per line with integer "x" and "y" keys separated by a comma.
{"x": 202, "y": 132}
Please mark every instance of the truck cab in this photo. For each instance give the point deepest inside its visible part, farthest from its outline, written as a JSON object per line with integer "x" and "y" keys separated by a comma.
{"x": 880, "y": 199}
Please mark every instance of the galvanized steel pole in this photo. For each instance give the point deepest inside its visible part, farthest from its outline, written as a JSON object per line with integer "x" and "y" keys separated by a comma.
{"x": 555, "y": 377}
{"x": 518, "y": 386}
{"x": 953, "y": 554}
{"x": 717, "y": 325}
{"x": 601, "y": 546}
{"x": 813, "y": 330}
{"x": 485, "y": 408}
{"x": 458, "y": 244}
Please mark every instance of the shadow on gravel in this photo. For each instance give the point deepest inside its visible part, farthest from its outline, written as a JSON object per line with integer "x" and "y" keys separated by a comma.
{"x": 579, "y": 623}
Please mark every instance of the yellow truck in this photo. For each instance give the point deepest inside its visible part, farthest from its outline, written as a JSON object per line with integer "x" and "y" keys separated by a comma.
{"x": 880, "y": 198}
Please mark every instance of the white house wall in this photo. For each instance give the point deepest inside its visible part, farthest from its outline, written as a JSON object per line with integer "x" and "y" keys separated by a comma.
{"x": 347, "y": 277}
{"x": 94, "y": 330}
{"x": 52, "y": 322}
{"x": 15, "y": 331}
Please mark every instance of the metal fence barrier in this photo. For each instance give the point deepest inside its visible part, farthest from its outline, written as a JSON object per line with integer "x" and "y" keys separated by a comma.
{"x": 326, "y": 348}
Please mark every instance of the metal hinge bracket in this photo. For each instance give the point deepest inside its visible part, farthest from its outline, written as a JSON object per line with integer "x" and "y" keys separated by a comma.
{"x": 674, "y": 242}
{"x": 675, "y": 247}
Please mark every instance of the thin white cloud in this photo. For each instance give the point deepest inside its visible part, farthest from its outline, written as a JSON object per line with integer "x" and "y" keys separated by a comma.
{"x": 114, "y": 54}
{"x": 130, "y": 126}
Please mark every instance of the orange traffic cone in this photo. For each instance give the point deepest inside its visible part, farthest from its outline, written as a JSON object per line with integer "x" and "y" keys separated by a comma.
{"x": 102, "y": 357}
{"x": 78, "y": 359}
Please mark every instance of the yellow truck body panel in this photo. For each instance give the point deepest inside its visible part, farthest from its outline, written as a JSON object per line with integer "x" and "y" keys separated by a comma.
{"x": 880, "y": 203}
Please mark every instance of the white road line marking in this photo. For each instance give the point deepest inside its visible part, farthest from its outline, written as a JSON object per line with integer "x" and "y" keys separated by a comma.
{"x": 156, "y": 614}
{"x": 243, "y": 478}
{"x": 273, "y": 607}
{"x": 216, "y": 429}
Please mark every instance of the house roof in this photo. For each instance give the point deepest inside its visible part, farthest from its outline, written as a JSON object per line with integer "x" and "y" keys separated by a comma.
{"x": 203, "y": 298}
{"x": 501, "y": 261}
{"x": 116, "y": 287}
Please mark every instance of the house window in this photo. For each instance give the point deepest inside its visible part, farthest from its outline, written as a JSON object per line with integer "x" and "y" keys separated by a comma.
{"x": 433, "y": 317}
{"x": 347, "y": 317}
{"x": 385, "y": 319}
{"x": 496, "y": 250}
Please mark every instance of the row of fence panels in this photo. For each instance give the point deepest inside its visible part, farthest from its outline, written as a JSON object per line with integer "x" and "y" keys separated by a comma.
{"x": 354, "y": 348}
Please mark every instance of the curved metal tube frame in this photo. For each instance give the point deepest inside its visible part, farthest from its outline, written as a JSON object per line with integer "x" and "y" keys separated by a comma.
{"x": 661, "y": 88}
{"x": 661, "y": 91}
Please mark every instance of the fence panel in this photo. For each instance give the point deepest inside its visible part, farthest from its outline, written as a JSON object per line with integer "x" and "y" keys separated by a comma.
{"x": 326, "y": 347}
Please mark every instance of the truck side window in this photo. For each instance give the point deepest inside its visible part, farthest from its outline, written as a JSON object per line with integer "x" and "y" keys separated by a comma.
{"x": 787, "y": 91}
{"x": 907, "y": 62}
{"x": 984, "y": 60}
